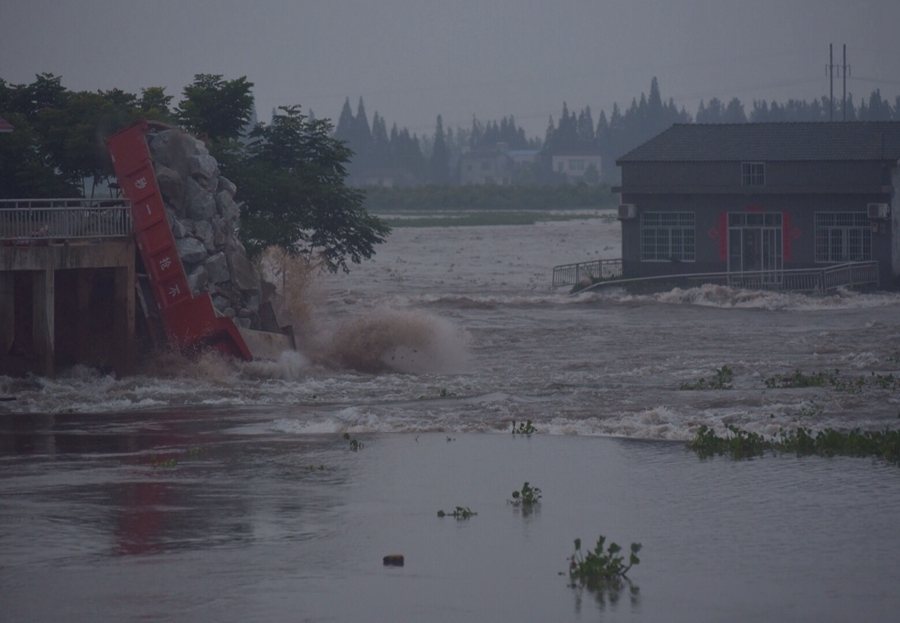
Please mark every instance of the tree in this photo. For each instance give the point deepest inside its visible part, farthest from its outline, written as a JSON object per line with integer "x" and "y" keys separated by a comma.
{"x": 154, "y": 103}
{"x": 440, "y": 155}
{"x": 291, "y": 177}
{"x": 215, "y": 107}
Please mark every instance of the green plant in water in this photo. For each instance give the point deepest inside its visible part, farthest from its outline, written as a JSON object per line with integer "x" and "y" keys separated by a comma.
{"x": 601, "y": 567}
{"x": 798, "y": 379}
{"x": 524, "y": 428}
{"x": 354, "y": 444}
{"x": 740, "y": 444}
{"x": 156, "y": 461}
{"x": 526, "y": 496}
{"x": 461, "y": 512}
{"x": 722, "y": 380}
{"x": 800, "y": 441}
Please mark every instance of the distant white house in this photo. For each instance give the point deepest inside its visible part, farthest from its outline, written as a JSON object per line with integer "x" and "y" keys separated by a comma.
{"x": 574, "y": 166}
{"x": 496, "y": 164}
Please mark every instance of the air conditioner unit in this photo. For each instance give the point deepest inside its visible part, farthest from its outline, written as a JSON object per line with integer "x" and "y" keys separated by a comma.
{"x": 627, "y": 211}
{"x": 876, "y": 210}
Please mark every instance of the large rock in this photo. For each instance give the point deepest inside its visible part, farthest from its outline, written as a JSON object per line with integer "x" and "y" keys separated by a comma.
{"x": 203, "y": 230}
{"x": 197, "y": 279}
{"x": 226, "y": 206}
{"x": 204, "y": 165}
{"x": 201, "y": 205}
{"x": 171, "y": 186}
{"x": 182, "y": 228}
{"x": 243, "y": 274}
{"x": 173, "y": 149}
{"x": 190, "y": 250}
{"x": 217, "y": 268}
{"x": 226, "y": 185}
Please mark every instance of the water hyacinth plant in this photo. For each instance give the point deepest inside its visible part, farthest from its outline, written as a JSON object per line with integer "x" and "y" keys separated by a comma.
{"x": 603, "y": 566}
{"x": 526, "y": 496}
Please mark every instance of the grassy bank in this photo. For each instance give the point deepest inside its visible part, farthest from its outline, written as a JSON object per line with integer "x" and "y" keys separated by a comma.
{"x": 381, "y": 200}
{"x": 471, "y": 218}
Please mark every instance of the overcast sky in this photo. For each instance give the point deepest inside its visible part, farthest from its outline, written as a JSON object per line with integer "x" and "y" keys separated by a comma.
{"x": 411, "y": 60}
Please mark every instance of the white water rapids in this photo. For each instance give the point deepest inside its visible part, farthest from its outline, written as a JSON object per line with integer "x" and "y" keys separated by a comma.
{"x": 456, "y": 329}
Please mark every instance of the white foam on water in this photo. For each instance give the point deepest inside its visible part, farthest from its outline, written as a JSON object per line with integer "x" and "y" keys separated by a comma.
{"x": 710, "y": 295}
{"x": 399, "y": 340}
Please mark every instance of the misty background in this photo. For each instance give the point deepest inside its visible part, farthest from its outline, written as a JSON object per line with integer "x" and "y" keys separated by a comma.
{"x": 412, "y": 60}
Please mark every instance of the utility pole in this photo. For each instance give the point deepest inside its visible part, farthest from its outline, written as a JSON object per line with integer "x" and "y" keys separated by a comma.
{"x": 844, "y": 107}
{"x": 831, "y": 81}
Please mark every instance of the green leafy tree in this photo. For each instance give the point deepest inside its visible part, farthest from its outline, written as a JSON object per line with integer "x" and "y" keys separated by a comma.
{"x": 155, "y": 104}
{"x": 291, "y": 176}
{"x": 71, "y": 136}
{"x": 218, "y": 108}
{"x": 23, "y": 173}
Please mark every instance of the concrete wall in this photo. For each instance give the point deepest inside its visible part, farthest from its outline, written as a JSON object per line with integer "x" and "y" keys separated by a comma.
{"x": 67, "y": 304}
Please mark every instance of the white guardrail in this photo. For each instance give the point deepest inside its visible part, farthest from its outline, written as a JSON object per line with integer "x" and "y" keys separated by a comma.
{"x": 26, "y": 220}
{"x": 811, "y": 280}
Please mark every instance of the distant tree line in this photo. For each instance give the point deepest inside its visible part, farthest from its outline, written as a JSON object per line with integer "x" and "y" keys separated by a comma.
{"x": 432, "y": 159}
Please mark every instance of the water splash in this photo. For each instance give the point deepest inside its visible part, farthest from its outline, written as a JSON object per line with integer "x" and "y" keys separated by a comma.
{"x": 391, "y": 340}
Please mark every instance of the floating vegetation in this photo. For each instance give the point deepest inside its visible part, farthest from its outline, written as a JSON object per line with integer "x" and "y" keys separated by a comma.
{"x": 527, "y": 496}
{"x": 848, "y": 384}
{"x": 354, "y": 444}
{"x": 172, "y": 459}
{"x": 461, "y": 512}
{"x": 722, "y": 380}
{"x": 156, "y": 461}
{"x": 524, "y": 428}
{"x": 601, "y": 568}
{"x": 741, "y": 444}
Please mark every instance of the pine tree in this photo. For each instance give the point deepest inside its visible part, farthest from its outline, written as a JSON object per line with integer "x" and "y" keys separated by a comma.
{"x": 440, "y": 155}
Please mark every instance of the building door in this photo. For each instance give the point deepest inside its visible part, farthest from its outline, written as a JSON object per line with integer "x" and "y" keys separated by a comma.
{"x": 755, "y": 244}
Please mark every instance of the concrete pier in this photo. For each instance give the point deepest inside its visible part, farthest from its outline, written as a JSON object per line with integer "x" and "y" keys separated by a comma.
{"x": 67, "y": 304}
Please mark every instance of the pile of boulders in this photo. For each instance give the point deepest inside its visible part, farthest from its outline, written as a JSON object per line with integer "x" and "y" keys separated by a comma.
{"x": 203, "y": 215}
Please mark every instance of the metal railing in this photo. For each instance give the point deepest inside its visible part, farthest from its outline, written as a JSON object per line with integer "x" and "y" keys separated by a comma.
{"x": 810, "y": 280}
{"x": 26, "y": 220}
{"x": 570, "y": 274}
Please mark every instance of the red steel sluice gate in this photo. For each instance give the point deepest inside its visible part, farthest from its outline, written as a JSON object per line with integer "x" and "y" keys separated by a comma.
{"x": 190, "y": 322}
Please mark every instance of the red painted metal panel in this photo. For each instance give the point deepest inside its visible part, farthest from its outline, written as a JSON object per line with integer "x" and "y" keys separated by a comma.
{"x": 723, "y": 236}
{"x": 191, "y": 324}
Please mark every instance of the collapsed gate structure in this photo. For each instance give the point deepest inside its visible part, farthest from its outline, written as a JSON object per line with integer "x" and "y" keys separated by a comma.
{"x": 190, "y": 322}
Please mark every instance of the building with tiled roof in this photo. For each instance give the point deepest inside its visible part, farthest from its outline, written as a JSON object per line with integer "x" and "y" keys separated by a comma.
{"x": 704, "y": 198}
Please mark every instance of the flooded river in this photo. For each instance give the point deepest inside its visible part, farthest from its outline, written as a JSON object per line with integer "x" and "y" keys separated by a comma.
{"x": 225, "y": 491}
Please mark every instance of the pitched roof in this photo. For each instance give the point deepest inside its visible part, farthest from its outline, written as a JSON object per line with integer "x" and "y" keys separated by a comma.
{"x": 730, "y": 142}
{"x": 5, "y": 126}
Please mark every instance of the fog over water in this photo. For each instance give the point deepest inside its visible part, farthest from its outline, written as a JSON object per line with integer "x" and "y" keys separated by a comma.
{"x": 456, "y": 329}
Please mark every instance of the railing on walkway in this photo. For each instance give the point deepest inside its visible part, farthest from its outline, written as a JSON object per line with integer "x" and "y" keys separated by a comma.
{"x": 26, "y": 220}
{"x": 570, "y": 274}
{"x": 810, "y": 280}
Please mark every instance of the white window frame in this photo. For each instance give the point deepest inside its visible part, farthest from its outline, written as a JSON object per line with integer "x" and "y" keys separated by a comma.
{"x": 667, "y": 236}
{"x": 843, "y": 237}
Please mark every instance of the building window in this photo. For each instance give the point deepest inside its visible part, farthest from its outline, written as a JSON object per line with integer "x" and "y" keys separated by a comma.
{"x": 667, "y": 236}
{"x": 843, "y": 237}
{"x": 753, "y": 173}
{"x": 576, "y": 164}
